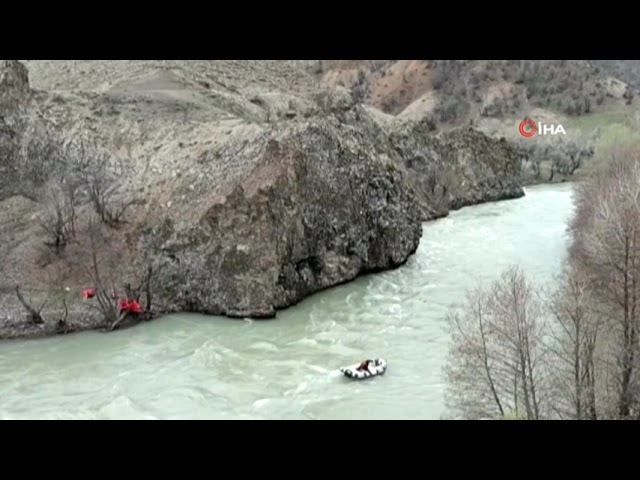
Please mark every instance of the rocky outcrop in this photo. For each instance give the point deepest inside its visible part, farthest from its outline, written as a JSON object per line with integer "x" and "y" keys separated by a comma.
{"x": 485, "y": 169}
{"x": 320, "y": 207}
{"x": 324, "y": 202}
{"x": 456, "y": 168}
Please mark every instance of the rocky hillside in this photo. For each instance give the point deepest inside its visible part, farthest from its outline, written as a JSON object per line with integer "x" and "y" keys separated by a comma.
{"x": 594, "y": 100}
{"x": 247, "y": 186}
{"x": 453, "y": 91}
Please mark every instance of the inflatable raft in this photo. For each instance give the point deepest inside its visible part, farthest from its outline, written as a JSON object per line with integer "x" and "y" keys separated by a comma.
{"x": 373, "y": 368}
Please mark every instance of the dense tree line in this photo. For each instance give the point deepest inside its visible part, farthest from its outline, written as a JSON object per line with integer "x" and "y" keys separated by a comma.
{"x": 570, "y": 352}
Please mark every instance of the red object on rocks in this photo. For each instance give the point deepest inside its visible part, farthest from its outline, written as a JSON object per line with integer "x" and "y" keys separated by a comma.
{"x": 132, "y": 306}
{"x": 89, "y": 293}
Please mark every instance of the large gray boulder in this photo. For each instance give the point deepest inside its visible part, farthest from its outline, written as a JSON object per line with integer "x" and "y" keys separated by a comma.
{"x": 321, "y": 207}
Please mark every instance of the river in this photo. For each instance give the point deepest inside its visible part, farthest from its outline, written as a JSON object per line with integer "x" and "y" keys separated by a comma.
{"x": 196, "y": 367}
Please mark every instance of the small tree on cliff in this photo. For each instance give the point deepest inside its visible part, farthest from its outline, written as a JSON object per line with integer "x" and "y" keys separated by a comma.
{"x": 59, "y": 216}
{"x": 34, "y": 313}
{"x": 92, "y": 170}
{"x": 100, "y": 267}
{"x": 114, "y": 296}
{"x": 71, "y": 174}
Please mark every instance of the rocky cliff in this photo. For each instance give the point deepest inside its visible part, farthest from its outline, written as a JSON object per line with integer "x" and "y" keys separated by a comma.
{"x": 320, "y": 207}
{"x": 457, "y": 168}
{"x": 246, "y": 199}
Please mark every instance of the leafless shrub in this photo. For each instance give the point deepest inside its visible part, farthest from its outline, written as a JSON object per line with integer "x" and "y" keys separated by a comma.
{"x": 96, "y": 174}
{"x": 58, "y": 218}
{"x": 109, "y": 280}
{"x": 99, "y": 182}
{"x": 34, "y": 314}
{"x": 71, "y": 189}
{"x": 79, "y": 171}
{"x": 145, "y": 287}
{"x": 62, "y": 326}
{"x": 102, "y": 276}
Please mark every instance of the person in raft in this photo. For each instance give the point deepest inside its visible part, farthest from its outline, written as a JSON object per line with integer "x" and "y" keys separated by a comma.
{"x": 364, "y": 365}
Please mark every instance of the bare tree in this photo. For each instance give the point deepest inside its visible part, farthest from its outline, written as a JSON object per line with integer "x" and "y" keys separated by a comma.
{"x": 92, "y": 171}
{"x": 109, "y": 280}
{"x": 573, "y": 343}
{"x": 472, "y": 369}
{"x": 58, "y": 218}
{"x": 519, "y": 330}
{"x": 607, "y": 244}
{"x": 101, "y": 190}
{"x": 144, "y": 287}
{"x": 583, "y": 362}
{"x": 497, "y": 363}
{"x": 102, "y": 277}
{"x": 35, "y": 314}
{"x": 71, "y": 189}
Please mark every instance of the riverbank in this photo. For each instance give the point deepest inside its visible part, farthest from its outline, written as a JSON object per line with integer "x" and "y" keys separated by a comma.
{"x": 83, "y": 316}
{"x": 80, "y": 316}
